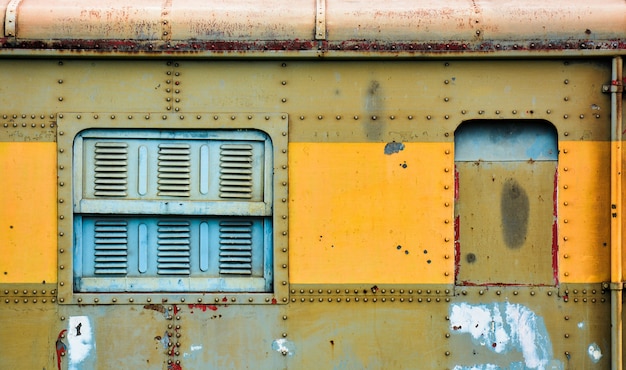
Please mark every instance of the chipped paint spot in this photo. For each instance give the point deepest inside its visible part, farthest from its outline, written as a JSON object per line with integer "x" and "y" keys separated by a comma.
{"x": 594, "y": 353}
{"x": 196, "y": 348}
{"x": 80, "y": 343}
{"x": 393, "y": 148}
{"x": 581, "y": 325}
{"x": 509, "y": 326}
{"x": 283, "y": 346}
{"x": 478, "y": 367}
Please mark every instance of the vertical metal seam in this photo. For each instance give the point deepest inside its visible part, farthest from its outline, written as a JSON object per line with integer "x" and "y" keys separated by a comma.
{"x": 10, "y": 19}
{"x": 320, "y": 20}
{"x": 616, "y": 216}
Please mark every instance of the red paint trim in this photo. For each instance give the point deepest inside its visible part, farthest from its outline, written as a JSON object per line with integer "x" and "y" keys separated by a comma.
{"x": 555, "y": 229}
{"x": 457, "y": 248}
{"x": 61, "y": 348}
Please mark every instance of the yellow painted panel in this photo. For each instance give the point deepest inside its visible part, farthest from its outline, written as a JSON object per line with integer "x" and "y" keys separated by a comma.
{"x": 584, "y": 211}
{"x": 28, "y": 212}
{"x": 358, "y": 215}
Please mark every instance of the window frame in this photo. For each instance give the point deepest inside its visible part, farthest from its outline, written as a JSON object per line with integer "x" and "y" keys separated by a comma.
{"x": 274, "y": 125}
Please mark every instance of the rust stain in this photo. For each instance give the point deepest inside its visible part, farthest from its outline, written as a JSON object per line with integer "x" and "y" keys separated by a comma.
{"x": 155, "y": 307}
{"x": 203, "y": 307}
{"x": 193, "y": 46}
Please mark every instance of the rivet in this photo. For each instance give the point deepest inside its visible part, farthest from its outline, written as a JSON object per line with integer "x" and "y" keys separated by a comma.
{"x": 61, "y": 233}
{"x": 446, "y": 99}
{"x": 597, "y": 115}
{"x": 96, "y": 300}
{"x": 446, "y": 187}
{"x": 233, "y": 118}
{"x": 565, "y": 238}
{"x": 447, "y": 353}
{"x": 374, "y": 118}
{"x": 233, "y": 299}
{"x": 61, "y": 200}
{"x": 566, "y": 98}
{"x": 548, "y": 111}
{"x": 567, "y": 274}
{"x": 447, "y": 256}
{"x": 446, "y": 134}
{"x": 113, "y": 116}
{"x": 60, "y": 99}
{"x": 410, "y": 117}
{"x": 566, "y": 82}
{"x": 566, "y": 335}
{"x": 565, "y": 116}
{"x": 284, "y": 100}
{"x": 565, "y": 221}
{"x": 164, "y": 117}
{"x": 514, "y": 111}
{"x": 215, "y": 117}
{"x": 582, "y": 116}
{"x": 181, "y": 117}
{"x": 319, "y": 117}
{"x": 463, "y": 111}
{"x": 62, "y": 183}
{"x": 198, "y": 116}
{"x": 132, "y": 300}
{"x": 565, "y": 186}
{"x": 481, "y": 112}
{"x": 115, "y": 300}
{"x": 550, "y": 294}
{"x": 464, "y": 292}
{"x": 498, "y": 292}
{"x": 392, "y": 117}
{"x": 428, "y": 117}
{"x": 446, "y": 116}
{"x": 497, "y": 112}
{"x": 532, "y": 293}
{"x": 566, "y": 256}
{"x": 515, "y": 292}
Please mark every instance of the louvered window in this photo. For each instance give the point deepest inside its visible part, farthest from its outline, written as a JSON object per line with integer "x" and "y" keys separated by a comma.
{"x": 172, "y": 211}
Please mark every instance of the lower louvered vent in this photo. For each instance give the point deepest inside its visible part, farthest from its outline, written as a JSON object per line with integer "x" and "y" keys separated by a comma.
{"x": 236, "y": 247}
{"x": 174, "y": 170}
{"x": 111, "y": 161}
{"x": 173, "y": 256}
{"x": 111, "y": 247}
{"x": 236, "y": 171}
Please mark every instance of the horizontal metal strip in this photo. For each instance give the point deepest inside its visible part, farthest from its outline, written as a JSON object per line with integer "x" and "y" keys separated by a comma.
{"x": 173, "y": 207}
{"x": 177, "y": 284}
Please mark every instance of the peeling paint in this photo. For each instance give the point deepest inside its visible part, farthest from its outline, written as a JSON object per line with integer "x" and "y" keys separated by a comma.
{"x": 80, "y": 341}
{"x": 283, "y": 346}
{"x": 595, "y": 354}
{"x": 393, "y": 148}
{"x": 504, "y": 327}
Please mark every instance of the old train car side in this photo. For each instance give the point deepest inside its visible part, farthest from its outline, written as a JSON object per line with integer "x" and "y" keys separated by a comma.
{"x": 230, "y": 185}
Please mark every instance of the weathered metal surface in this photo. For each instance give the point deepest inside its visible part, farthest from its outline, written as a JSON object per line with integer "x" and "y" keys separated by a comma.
{"x": 397, "y": 316}
{"x": 202, "y": 28}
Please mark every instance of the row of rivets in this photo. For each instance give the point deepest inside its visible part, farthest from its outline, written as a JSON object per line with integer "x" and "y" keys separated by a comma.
{"x": 430, "y": 117}
{"x": 373, "y": 290}
{"x": 34, "y": 292}
{"x": 26, "y": 300}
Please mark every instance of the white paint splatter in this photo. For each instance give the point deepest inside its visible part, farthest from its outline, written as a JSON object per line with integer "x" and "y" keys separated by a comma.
{"x": 283, "y": 346}
{"x": 80, "y": 340}
{"x": 502, "y": 327}
{"x": 195, "y": 348}
{"x": 594, "y": 352}
{"x": 581, "y": 325}
{"x": 478, "y": 367}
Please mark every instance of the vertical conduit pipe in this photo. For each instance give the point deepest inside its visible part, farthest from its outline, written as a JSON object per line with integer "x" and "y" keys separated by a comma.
{"x": 616, "y": 214}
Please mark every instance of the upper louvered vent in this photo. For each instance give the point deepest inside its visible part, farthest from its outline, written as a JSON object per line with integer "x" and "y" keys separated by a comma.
{"x": 173, "y": 257}
{"x": 111, "y": 160}
{"x": 236, "y": 171}
{"x": 111, "y": 247}
{"x": 236, "y": 247}
{"x": 174, "y": 170}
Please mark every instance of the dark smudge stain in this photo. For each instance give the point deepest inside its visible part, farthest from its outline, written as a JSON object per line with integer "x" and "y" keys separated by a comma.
{"x": 393, "y": 147}
{"x": 514, "y": 209}
{"x": 374, "y": 124}
{"x": 470, "y": 257}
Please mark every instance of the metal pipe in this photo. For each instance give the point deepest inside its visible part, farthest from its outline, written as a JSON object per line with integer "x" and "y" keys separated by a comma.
{"x": 616, "y": 214}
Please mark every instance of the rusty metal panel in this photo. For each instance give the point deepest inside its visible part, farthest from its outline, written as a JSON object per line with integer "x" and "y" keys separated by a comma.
{"x": 201, "y": 20}
{"x": 505, "y": 213}
{"x": 110, "y": 20}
